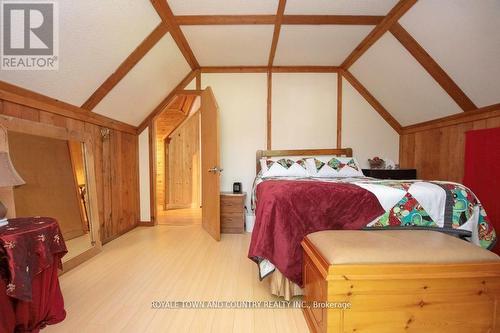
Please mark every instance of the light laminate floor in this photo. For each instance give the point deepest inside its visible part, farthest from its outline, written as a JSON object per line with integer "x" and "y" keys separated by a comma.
{"x": 113, "y": 291}
{"x": 180, "y": 216}
{"x": 77, "y": 246}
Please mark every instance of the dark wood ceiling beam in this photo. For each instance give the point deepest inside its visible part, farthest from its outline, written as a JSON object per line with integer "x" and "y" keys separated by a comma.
{"x": 274, "y": 69}
{"x": 373, "y": 101}
{"x": 271, "y": 19}
{"x": 332, "y": 19}
{"x": 391, "y": 18}
{"x": 277, "y": 29}
{"x": 125, "y": 67}
{"x": 164, "y": 104}
{"x": 167, "y": 16}
{"x": 432, "y": 67}
{"x": 225, "y": 19}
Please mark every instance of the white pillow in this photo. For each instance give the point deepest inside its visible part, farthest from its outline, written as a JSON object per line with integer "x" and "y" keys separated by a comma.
{"x": 284, "y": 166}
{"x": 333, "y": 166}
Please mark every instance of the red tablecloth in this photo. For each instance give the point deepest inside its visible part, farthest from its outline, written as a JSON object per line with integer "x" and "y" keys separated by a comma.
{"x": 30, "y": 255}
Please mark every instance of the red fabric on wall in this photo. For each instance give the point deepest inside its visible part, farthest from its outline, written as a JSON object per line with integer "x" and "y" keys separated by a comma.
{"x": 482, "y": 171}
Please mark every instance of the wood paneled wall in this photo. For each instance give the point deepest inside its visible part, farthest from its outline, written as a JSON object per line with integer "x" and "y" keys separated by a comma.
{"x": 166, "y": 122}
{"x": 438, "y": 153}
{"x": 116, "y": 167}
{"x": 183, "y": 167}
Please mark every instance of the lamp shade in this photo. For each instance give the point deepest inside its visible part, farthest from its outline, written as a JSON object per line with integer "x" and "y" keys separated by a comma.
{"x": 8, "y": 174}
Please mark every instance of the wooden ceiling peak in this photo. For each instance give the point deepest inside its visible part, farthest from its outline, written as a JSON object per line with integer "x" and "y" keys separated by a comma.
{"x": 225, "y": 19}
{"x": 272, "y": 19}
{"x": 164, "y": 11}
{"x": 389, "y": 20}
{"x": 273, "y": 69}
{"x": 277, "y": 30}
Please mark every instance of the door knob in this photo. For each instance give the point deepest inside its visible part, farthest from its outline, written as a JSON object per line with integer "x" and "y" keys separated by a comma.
{"x": 215, "y": 170}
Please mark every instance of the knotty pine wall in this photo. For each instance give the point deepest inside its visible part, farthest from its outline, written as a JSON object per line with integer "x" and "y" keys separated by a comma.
{"x": 166, "y": 122}
{"x": 183, "y": 152}
{"x": 438, "y": 154}
{"x": 116, "y": 167}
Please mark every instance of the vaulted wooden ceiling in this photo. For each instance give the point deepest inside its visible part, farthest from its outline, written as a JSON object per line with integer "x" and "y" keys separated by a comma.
{"x": 412, "y": 60}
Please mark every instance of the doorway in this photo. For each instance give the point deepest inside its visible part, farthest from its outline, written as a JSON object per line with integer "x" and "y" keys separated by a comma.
{"x": 194, "y": 112}
{"x": 182, "y": 187}
{"x": 177, "y": 167}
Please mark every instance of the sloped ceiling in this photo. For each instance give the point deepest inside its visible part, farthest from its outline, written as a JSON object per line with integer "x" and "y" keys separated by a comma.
{"x": 95, "y": 36}
{"x": 463, "y": 37}
{"x": 339, "y": 7}
{"x": 223, "y": 7}
{"x": 146, "y": 85}
{"x": 232, "y": 45}
{"x": 330, "y": 46}
{"x": 403, "y": 87}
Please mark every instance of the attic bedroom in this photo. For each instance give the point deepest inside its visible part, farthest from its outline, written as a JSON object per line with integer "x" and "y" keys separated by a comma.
{"x": 249, "y": 166}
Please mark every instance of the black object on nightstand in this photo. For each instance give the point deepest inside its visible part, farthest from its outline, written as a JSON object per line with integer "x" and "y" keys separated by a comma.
{"x": 403, "y": 174}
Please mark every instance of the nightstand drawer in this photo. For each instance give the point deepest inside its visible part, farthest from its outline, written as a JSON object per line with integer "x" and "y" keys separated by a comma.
{"x": 232, "y": 223}
{"x": 232, "y": 212}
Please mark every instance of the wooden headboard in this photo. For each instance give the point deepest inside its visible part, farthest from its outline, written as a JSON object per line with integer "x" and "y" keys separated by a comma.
{"x": 347, "y": 152}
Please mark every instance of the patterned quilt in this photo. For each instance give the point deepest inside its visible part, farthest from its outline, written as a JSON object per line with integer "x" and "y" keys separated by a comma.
{"x": 435, "y": 205}
{"x": 417, "y": 204}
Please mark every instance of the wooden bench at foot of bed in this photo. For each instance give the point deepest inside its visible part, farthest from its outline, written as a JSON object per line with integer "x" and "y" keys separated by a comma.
{"x": 399, "y": 281}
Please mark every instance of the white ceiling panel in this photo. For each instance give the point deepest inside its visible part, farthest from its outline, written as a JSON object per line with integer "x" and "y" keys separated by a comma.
{"x": 401, "y": 84}
{"x": 95, "y": 36}
{"x": 339, "y": 7}
{"x": 232, "y": 45}
{"x": 462, "y": 36}
{"x": 326, "y": 45}
{"x": 223, "y": 7}
{"x": 146, "y": 85}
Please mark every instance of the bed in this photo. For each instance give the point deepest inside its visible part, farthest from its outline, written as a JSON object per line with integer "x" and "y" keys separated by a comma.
{"x": 291, "y": 204}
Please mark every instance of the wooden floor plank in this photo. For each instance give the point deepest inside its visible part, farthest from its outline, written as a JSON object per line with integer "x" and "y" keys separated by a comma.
{"x": 113, "y": 291}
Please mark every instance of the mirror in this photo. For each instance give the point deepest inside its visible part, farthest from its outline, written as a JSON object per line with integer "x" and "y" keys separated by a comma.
{"x": 55, "y": 176}
{"x": 58, "y": 167}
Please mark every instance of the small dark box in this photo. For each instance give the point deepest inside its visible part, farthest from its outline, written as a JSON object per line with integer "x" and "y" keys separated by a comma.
{"x": 236, "y": 187}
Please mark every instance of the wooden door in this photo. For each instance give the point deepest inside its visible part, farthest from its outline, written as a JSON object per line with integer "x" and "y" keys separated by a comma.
{"x": 210, "y": 167}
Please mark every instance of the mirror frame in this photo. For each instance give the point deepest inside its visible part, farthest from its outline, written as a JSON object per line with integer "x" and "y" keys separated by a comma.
{"x": 45, "y": 130}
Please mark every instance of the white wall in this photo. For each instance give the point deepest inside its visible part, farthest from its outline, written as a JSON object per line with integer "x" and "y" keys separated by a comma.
{"x": 242, "y": 100}
{"x": 144, "y": 185}
{"x": 304, "y": 115}
{"x": 304, "y": 110}
{"x": 364, "y": 130}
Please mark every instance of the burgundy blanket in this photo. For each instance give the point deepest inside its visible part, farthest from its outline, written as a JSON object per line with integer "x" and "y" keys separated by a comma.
{"x": 288, "y": 210}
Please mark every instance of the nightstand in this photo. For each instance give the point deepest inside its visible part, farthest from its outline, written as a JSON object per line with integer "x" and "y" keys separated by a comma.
{"x": 232, "y": 212}
{"x": 402, "y": 174}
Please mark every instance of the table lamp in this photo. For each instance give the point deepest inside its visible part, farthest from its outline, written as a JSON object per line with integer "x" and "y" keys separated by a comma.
{"x": 8, "y": 178}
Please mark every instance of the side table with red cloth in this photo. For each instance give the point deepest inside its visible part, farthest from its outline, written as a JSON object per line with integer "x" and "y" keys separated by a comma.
{"x": 482, "y": 171}
{"x": 30, "y": 255}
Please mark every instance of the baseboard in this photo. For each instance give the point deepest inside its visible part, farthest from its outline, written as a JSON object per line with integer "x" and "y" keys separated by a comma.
{"x": 145, "y": 224}
{"x": 121, "y": 233}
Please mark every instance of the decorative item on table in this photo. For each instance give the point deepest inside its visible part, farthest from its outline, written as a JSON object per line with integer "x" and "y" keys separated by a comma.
{"x": 376, "y": 163}
{"x": 8, "y": 178}
{"x": 237, "y": 187}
